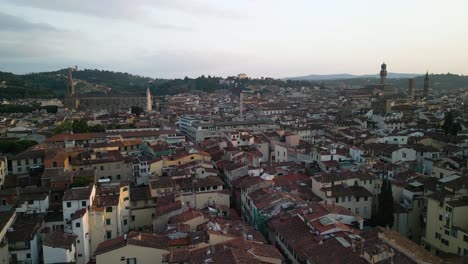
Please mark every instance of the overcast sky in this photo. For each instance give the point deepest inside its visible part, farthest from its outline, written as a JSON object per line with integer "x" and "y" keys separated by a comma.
{"x": 177, "y": 38}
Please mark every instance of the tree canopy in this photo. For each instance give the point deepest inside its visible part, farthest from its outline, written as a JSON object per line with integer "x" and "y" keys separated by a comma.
{"x": 385, "y": 211}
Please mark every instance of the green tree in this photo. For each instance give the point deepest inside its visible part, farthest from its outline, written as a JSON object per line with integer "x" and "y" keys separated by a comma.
{"x": 97, "y": 128}
{"x": 81, "y": 182}
{"x": 136, "y": 110}
{"x": 64, "y": 126}
{"x": 448, "y": 122}
{"x": 80, "y": 126}
{"x": 456, "y": 127}
{"x": 385, "y": 211}
{"x": 15, "y": 147}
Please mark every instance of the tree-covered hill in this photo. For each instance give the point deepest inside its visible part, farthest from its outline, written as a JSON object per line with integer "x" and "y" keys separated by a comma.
{"x": 438, "y": 82}
{"x": 54, "y": 84}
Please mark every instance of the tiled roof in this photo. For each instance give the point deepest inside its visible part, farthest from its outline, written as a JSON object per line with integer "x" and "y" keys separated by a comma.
{"x": 59, "y": 239}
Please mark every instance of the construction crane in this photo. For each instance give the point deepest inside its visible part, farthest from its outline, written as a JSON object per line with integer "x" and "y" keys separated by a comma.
{"x": 71, "y": 85}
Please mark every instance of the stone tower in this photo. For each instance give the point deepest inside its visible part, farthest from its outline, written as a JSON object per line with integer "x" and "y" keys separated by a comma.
{"x": 149, "y": 103}
{"x": 426, "y": 85}
{"x": 411, "y": 90}
{"x": 383, "y": 73}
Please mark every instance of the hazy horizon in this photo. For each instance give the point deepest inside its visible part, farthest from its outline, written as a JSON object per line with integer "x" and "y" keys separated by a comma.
{"x": 177, "y": 38}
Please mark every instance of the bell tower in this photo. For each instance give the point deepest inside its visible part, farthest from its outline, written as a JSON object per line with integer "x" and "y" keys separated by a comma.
{"x": 383, "y": 73}
{"x": 426, "y": 85}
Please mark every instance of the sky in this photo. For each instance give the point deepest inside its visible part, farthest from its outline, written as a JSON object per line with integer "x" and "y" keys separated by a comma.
{"x": 262, "y": 38}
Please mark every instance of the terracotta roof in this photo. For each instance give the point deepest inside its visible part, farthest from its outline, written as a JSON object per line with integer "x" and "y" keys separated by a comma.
{"x": 133, "y": 238}
{"x": 59, "y": 239}
{"x": 185, "y": 216}
{"x": 78, "y": 193}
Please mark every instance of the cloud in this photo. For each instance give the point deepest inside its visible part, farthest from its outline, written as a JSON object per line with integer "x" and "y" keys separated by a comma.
{"x": 18, "y": 24}
{"x": 139, "y": 11}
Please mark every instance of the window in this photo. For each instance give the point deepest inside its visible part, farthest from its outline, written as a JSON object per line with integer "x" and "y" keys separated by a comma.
{"x": 440, "y": 217}
{"x": 108, "y": 234}
{"x": 133, "y": 218}
{"x": 83, "y": 203}
{"x": 437, "y": 235}
{"x": 108, "y": 221}
{"x": 349, "y": 198}
{"x": 28, "y": 255}
{"x": 77, "y": 241}
{"x": 118, "y": 176}
{"x": 404, "y": 155}
{"x": 366, "y": 198}
{"x": 343, "y": 199}
{"x": 109, "y": 209}
{"x": 336, "y": 199}
{"x": 125, "y": 221}
{"x": 357, "y": 199}
{"x": 30, "y": 202}
{"x": 102, "y": 168}
{"x": 54, "y": 164}
{"x": 445, "y": 242}
{"x": 78, "y": 225}
{"x": 465, "y": 238}
{"x": 68, "y": 204}
{"x": 131, "y": 261}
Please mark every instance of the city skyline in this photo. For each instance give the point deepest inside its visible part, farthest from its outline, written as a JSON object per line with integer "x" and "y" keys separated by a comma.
{"x": 173, "y": 39}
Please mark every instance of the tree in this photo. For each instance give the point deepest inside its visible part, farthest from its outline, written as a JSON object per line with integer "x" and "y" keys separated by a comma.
{"x": 80, "y": 126}
{"x": 136, "y": 110}
{"x": 385, "y": 212}
{"x": 64, "y": 126}
{"x": 81, "y": 181}
{"x": 456, "y": 127}
{"x": 448, "y": 122}
{"x": 15, "y": 147}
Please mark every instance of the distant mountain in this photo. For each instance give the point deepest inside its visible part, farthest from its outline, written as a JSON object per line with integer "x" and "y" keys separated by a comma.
{"x": 325, "y": 77}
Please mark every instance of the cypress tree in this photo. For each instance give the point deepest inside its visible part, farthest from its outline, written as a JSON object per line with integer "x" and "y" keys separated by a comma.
{"x": 385, "y": 212}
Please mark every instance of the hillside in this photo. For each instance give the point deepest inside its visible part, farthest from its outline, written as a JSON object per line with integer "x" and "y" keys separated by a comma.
{"x": 54, "y": 84}
{"x": 318, "y": 77}
{"x": 439, "y": 82}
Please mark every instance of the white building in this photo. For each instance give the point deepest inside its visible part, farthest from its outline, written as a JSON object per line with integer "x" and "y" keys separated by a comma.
{"x": 33, "y": 203}
{"x": 59, "y": 247}
{"x": 75, "y": 199}
{"x": 356, "y": 191}
{"x": 80, "y": 228}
